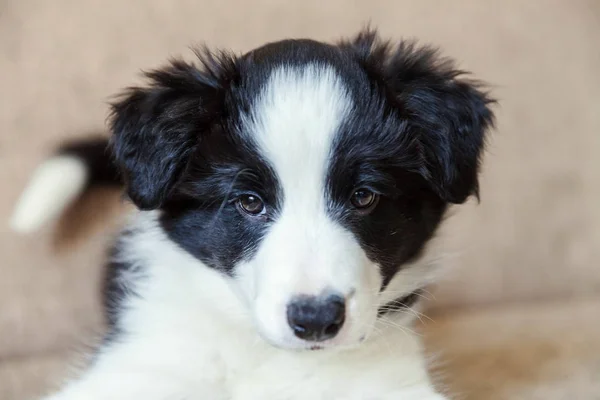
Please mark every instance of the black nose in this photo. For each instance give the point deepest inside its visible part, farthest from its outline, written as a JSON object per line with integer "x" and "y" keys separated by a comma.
{"x": 316, "y": 318}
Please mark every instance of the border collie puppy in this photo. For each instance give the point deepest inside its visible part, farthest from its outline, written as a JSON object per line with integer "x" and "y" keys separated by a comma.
{"x": 287, "y": 197}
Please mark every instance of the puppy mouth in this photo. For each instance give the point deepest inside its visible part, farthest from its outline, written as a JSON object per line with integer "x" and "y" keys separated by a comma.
{"x": 300, "y": 349}
{"x": 313, "y": 347}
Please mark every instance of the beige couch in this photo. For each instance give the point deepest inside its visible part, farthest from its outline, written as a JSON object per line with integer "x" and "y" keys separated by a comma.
{"x": 517, "y": 316}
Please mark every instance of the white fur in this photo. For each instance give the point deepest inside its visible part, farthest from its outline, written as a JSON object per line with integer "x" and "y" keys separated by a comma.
{"x": 54, "y": 185}
{"x": 188, "y": 336}
{"x": 294, "y": 122}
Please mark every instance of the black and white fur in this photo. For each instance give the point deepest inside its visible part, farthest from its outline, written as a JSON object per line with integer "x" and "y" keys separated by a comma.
{"x": 206, "y": 300}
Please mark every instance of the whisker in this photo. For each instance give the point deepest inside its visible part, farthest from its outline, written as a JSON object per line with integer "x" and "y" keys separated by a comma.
{"x": 402, "y": 328}
{"x": 419, "y": 315}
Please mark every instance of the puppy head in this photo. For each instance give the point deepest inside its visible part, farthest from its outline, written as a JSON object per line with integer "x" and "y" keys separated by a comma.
{"x": 309, "y": 174}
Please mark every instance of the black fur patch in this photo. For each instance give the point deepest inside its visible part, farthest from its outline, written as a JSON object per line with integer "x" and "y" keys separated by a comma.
{"x": 96, "y": 154}
{"x": 118, "y": 285}
{"x": 447, "y": 114}
{"x": 415, "y": 137}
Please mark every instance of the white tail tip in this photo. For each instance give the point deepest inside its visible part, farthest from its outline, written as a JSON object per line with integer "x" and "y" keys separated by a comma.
{"x": 52, "y": 188}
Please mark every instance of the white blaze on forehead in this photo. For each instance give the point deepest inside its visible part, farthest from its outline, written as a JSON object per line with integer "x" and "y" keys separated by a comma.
{"x": 294, "y": 122}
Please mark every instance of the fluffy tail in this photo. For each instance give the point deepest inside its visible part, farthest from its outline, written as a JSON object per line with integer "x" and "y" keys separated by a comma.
{"x": 61, "y": 179}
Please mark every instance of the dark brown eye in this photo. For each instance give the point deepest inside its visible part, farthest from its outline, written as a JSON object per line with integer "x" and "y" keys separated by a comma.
{"x": 363, "y": 199}
{"x": 251, "y": 204}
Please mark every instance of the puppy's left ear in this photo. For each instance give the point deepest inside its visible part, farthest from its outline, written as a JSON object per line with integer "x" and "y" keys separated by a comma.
{"x": 448, "y": 115}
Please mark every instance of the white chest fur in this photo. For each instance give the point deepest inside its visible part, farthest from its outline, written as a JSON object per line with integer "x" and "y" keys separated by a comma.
{"x": 186, "y": 335}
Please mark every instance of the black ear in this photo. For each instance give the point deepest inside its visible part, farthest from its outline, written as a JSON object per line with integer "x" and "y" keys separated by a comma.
{"x": 448, "y": 114}
{"x": 157, "y": 127}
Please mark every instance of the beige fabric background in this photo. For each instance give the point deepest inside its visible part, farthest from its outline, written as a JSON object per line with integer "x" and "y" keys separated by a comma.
{"x": 534, "y": 238}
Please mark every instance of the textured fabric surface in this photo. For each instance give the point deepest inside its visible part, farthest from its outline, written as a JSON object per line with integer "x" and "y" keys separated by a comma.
{"x": 547, "y": 351}
{"x": 534, "y": 237}
{"x": 29, "y": 377}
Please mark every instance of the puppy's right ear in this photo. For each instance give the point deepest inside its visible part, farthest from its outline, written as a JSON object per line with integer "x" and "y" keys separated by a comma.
{"x": 157, "y": 127}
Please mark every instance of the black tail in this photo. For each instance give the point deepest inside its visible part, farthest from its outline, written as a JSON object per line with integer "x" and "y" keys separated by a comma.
{"x": 62, "y": 178}
{"x": 96, "y": 155}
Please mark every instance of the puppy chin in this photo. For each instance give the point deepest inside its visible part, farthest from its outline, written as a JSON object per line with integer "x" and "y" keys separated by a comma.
{"x": 302, "y": 346}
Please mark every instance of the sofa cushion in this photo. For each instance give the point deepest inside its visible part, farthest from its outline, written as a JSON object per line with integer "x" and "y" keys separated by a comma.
{"x": 546, "y": 351}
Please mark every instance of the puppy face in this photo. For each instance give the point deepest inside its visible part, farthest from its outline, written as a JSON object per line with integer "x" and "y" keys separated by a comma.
{"x": 307, "y": 173}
